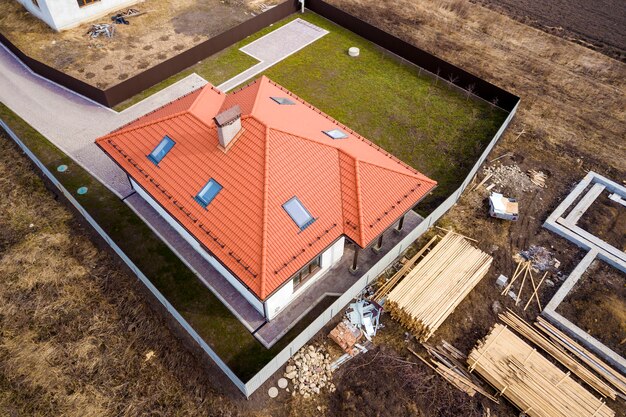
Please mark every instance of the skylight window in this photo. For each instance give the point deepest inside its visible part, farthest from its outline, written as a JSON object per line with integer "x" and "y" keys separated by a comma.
{"x": 283, "y": 100}
{"x": 161, "y": 150}
{"x": 336, "y": 134}
{"x": 298, "y": 213}
{"x": 208, "y": 193}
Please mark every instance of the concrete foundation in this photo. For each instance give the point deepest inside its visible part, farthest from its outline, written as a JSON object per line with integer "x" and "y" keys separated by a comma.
{"x": 598, "y": 249}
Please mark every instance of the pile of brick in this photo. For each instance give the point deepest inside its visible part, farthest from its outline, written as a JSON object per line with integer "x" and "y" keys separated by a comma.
{"x": 346, "y": 336}
{"x": 309, "y": 371}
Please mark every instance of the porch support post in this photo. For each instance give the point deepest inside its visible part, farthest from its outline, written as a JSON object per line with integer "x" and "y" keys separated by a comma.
{"x": 355, "y": 261}
{"x": 379, "y": 243}
{"x": 398, "y": 228}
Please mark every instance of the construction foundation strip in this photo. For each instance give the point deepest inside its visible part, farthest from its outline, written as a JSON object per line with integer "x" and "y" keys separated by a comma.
{"x": 531, "y": 382}
{"x": 436, "y": 286}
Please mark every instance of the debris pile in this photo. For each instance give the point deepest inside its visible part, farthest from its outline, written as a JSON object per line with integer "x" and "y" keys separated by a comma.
{"x": 510, "y": 176}
{"x": 346, "y": 335}
{"x": 538, "y": 178}
{"x": 448, "y": 362}
{"x": 120, "y": 18}
{"x": 101, "y": 29}
{"x": 542, "y": 259}
{"x": 310, "y": 371}
{"x": 365, "y": 315}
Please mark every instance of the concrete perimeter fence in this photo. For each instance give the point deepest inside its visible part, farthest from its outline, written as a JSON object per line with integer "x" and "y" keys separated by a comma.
{"x": 283, "y": 356}
{"x": 456, "y": 76}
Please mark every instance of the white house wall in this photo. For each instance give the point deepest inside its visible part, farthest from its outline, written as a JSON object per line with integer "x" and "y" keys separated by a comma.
{"x": 66, "y": 14}
{"x": 255, "y": 302}
{"x": 281, "y": 298}
{"x": 42, "y": 12}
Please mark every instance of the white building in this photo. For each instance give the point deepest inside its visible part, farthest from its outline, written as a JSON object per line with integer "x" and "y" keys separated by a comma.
{"x": 66, "y": 14}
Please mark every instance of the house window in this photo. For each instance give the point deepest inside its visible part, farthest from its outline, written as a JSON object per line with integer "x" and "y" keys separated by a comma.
{"x": 298, "y": 213}
{"x": 208, "y": 193}
{"x": 82, "y": 3}
{"x": 283, "y": 100}
{"x": 336, "y": 133}
{"x": 307, "y": 272}
{"x": 161, "y": 150}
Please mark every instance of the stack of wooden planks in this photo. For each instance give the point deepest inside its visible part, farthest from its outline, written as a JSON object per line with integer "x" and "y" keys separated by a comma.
{"x": 531, "y": 382}
{"x": 384, "y": 289}
{"x": 530, "y": 333}
{"x": 436, "y": 286}
{"x": 617, "y": 380}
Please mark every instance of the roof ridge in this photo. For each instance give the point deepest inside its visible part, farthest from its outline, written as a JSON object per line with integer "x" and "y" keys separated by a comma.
{"x": 359, "y": 204}
{"x": 265, "y": 204}
{"x": 204, "y": 87}
{"x": 258, "y": 92}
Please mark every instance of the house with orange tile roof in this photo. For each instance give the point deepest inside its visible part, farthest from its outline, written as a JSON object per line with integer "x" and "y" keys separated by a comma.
{"x": 264, "y": 186}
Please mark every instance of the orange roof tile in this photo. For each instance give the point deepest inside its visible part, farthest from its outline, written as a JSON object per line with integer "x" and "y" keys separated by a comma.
{"x": 350, "y": 186}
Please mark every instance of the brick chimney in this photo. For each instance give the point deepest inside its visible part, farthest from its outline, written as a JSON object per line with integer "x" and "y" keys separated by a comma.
{"x": 228, "y": 125}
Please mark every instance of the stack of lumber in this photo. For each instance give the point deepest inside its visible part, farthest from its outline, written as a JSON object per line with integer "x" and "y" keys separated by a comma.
{"x": 592, "y": 361}
{"x": 436, "y": 286}
{"x": 384, "y": 289}
{"x": 531, "y": 382}
{"x": 527, "y": 331}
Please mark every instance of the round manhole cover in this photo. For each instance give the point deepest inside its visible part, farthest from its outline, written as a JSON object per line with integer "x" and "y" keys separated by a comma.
{"x": 62, "y": 168}
{"x": 82, "y": 190}
{"x": 273, "y": 392}
{"x": 282, "y": 383}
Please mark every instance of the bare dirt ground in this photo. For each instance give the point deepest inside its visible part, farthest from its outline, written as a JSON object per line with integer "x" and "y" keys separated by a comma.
{"x": 598, "y": 25}
{"x": 606, "y": 219}
{"x": 168, "y": 28}
{"x": 597, "y": 304}
{"x": 572, "y": 119}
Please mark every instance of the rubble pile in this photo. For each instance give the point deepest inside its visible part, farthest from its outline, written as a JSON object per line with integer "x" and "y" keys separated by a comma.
{"x": 542, "y": 259}
{"x": 309, "y": 371}
{"x": 510, "y": 176}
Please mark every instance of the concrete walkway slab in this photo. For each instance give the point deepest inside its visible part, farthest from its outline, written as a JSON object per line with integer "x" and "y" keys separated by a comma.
{"x": 274, "y": 47}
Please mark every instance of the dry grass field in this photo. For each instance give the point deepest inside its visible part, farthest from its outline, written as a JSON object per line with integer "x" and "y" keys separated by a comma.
{"x": 75, "y": 329}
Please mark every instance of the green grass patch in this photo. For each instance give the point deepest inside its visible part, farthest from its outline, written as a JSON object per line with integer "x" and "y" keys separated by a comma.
{"x": 195, "y": 302}
{"x": 422, "y": 120}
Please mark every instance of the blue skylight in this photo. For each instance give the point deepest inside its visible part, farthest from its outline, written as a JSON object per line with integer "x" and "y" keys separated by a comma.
{"x": 300, "y": 215}
{"x": 208, "y": 193}
{"x": 336, "y": 134}
{"x": 283, "y": 100}
{"x": 161, "y": 150}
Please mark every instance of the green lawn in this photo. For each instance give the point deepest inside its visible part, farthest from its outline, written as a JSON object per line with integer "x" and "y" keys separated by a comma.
{"x": 424, "y": 122}
{"x": 196, "y": 303}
